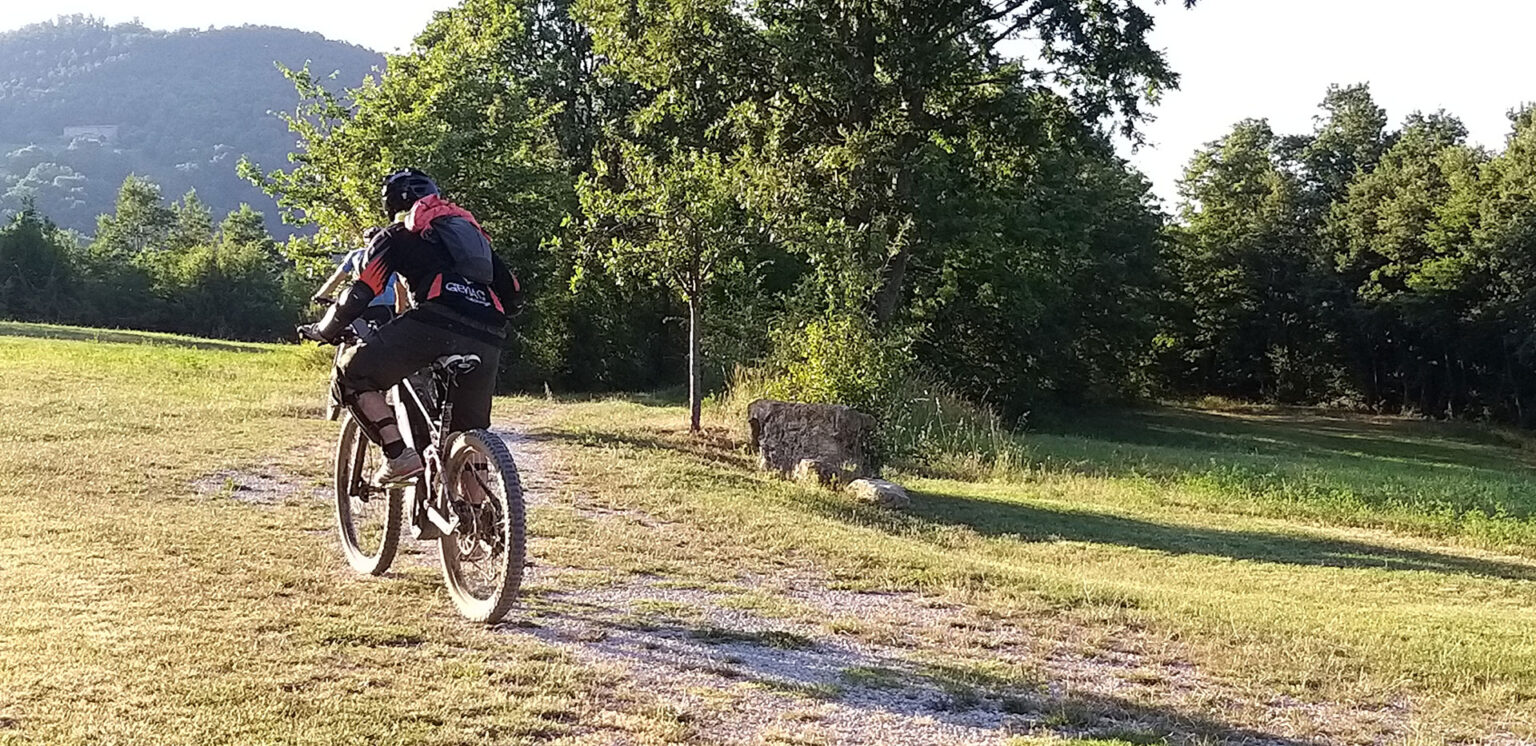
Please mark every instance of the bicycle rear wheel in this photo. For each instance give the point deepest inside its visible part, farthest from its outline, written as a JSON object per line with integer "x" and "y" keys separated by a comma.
{"x": 367, "y": 518}
{"x": 483, "y": 559}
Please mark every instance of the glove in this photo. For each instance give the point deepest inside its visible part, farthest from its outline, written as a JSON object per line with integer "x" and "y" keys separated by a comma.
{"x": 313, "y": 333}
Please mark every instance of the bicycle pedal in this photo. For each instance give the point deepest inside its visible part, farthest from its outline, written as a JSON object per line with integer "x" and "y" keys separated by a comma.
{"x": 398, "y": 483}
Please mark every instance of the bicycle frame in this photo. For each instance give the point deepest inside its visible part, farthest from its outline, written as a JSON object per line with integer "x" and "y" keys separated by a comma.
{"x": 424, "y": 426}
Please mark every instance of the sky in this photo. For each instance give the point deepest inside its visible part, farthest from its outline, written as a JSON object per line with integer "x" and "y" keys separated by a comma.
{"x": 1269, "y": 59}
{"x": 1274, "y": 59}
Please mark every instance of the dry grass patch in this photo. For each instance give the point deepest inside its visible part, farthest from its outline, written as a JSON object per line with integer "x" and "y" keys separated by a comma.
{"x": 139, "y": 610}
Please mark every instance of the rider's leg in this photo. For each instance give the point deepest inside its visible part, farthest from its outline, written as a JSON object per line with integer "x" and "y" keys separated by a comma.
{"x": 471, "y": 411}
{"x": 374, "y": 409}
{"x": 472, "y": 392}
{"x": 379, "y": 361}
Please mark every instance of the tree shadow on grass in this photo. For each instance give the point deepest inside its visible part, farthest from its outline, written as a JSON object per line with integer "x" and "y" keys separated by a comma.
{"x": 124, "y": 336}
{"x": 710, "y": 447}
{"x": 1303, "y": 434}
{"x": 1036, "y": 523}
{"x": 1027, "y": 522}
{"x": 660, "y": 399}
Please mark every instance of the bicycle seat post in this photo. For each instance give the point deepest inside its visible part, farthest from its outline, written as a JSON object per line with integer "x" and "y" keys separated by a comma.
{"x": 448, "y": 369}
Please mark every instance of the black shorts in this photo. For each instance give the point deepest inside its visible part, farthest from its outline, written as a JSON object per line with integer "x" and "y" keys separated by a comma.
{"x": 405, "y": 345}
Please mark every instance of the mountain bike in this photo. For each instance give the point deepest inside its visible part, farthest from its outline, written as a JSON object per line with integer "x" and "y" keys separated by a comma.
{"x": 469, "y": 499}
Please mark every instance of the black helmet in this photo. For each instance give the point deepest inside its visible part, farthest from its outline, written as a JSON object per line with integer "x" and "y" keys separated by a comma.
{"x": 403, "y": 188}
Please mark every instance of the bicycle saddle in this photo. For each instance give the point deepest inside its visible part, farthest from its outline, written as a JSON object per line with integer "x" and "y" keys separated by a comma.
{"x": 458, "y": 364}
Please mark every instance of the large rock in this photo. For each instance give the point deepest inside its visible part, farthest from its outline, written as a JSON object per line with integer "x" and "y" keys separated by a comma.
{"x": 880, "y": 492}
{"x": 826, "y": 442}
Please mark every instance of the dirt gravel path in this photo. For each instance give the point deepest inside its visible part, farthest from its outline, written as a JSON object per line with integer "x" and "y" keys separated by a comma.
{"x": 789, "y": 658}
{"x": 836, "y": 666}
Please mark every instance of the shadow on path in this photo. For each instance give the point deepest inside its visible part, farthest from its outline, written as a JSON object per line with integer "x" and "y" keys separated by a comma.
{"x": 691, "y": 654}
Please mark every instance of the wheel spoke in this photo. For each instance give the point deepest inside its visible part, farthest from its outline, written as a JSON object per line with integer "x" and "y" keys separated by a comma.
{"x": 368, "y": 518}
{"x": 484, "y": 565}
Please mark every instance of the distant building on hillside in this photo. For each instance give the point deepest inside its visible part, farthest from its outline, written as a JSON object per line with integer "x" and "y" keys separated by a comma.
{"x": 102, "y": 133}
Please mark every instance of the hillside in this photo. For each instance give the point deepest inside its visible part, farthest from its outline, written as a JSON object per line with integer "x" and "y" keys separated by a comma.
{"x": 83, "y": 104}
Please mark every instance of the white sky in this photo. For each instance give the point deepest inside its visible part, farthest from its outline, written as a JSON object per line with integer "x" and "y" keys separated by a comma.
{"x": 1275, "y": 58}
{"x": 1238, "y": 58}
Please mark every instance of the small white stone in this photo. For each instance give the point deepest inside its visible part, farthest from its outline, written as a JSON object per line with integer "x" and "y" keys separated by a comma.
{"x": 880, "y": 492}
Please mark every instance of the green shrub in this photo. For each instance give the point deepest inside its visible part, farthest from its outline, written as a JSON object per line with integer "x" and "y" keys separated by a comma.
{"x": 922, "y": 425}
{"x": 838, "y": 359}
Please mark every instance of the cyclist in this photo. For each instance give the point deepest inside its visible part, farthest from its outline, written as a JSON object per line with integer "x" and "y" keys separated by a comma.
{"x": 459, "y": 292}
{"x": 382, "y": 308}
{"x": 379, "y": 311}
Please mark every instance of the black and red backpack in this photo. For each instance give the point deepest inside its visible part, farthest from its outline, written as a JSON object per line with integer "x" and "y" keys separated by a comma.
{"x": 445, "y": 224}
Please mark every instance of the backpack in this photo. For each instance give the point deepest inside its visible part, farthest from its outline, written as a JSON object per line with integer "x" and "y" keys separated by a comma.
{"x": 452, "y": 227}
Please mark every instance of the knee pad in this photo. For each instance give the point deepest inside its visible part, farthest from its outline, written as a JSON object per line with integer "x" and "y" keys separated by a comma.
{"x": 371, "y": 429}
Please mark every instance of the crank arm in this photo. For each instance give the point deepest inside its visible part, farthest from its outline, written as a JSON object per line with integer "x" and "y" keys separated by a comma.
{"x": 441, "y": 522}
{"x": 430, "y": 524}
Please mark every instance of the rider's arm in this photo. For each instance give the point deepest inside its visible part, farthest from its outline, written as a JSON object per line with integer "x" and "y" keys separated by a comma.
{"x": 332, "y": 283}
{"x": 355, "y": 299}
{"x": 506, "y": 285}
{"x": 402, "y": 298}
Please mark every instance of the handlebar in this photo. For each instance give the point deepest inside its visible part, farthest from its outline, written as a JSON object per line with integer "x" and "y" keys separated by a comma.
{"x": 349, "y": 333}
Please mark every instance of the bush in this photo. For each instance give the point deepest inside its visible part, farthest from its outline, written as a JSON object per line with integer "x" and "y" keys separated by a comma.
{"x": 922, "y": 426}
{"x": 838, "y": 359}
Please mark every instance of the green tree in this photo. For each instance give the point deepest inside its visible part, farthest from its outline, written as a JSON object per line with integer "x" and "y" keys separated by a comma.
{"x": 862, "y": 165}
{"x": 466, "y": 106}
{"x": 1048, "y": 286}
{"x": 1394, "y": 247}
{"x": 140, "y": 223}
{"x": 1248, "y": 277}
{"x": 193, "y": 224}
{"x": 664, "y": 199}
{"x": 459, "y": 108}
{"x": 1505, "y": 233}
{"x": 1350, "y": 137}
{"x": 677, "y": 222}
{"x": 36, "y": 270}
{"x": 875, "y": 98}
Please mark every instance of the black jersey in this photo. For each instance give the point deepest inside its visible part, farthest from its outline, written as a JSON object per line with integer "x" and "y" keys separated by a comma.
{"x": 427, "y": 269}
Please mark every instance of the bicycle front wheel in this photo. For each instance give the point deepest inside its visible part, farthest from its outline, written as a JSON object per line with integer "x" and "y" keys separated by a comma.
{"x": 483, "y": 559}
{"x": 367, "y": 518}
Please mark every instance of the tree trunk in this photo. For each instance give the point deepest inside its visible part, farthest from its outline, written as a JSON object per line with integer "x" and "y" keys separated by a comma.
{"x": 888, "y": 300}
{"x": 695, "y": 379}
{"x": 1450, "y": 387}
{"x": 1512, "y": 384}
{"x": 894, "y": 273}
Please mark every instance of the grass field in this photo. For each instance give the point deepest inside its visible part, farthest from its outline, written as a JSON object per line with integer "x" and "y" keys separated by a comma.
{"x": 1167, "y": 576}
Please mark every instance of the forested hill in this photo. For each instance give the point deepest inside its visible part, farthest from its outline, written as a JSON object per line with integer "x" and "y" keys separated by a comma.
{"x": 83, "y": 104}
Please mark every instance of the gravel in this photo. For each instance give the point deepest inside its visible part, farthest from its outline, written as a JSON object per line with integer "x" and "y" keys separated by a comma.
{"x": 745, "y": 677}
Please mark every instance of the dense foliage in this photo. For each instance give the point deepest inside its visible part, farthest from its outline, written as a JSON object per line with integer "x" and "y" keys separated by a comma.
{"x": 152, "y": 266}
{"x": 1384, "y": 268}
{"x": 844, "y": 192}
{"x": 186, "y": 105}
{"x": 861, "y": 201}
